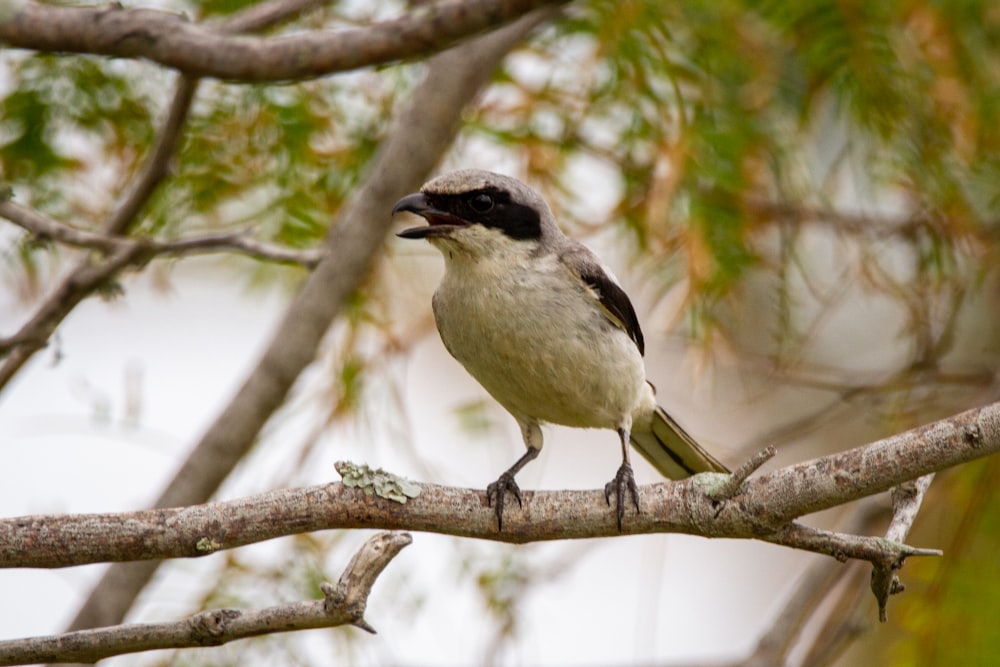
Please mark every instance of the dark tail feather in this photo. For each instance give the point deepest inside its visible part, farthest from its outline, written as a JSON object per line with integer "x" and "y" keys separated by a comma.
{"x": 672, "y": 451}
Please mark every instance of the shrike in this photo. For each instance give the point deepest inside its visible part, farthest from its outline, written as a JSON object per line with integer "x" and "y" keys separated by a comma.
{"x": 543, "y": 326}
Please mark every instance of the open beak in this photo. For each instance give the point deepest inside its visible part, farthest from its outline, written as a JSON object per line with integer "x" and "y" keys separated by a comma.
{"x": 440, "y": 223}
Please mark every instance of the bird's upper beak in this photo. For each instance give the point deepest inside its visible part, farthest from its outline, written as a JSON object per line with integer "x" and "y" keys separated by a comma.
{"x": 440, "y": 223}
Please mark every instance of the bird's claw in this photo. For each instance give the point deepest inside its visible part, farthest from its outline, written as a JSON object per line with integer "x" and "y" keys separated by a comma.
{"x": 497, "y": 491}
{"x": 623, "y": 481}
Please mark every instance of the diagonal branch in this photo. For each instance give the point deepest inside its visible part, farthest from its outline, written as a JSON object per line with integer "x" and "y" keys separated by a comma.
{"x": 343, "y": 604}
{"x": 199, "y": 50}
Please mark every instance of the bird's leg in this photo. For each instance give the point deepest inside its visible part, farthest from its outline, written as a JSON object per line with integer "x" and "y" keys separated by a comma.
{"x": 505, "y": 484}
{"x": 623, "y": 481}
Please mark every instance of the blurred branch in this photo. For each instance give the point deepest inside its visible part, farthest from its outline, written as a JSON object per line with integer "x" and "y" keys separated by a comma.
{"x": 764, "y": 508}
{"x": 851, "y": 390}
{"x": 200, "y": 50}
{"x": 343, "y": 604}
{"x": 862, "y": 224}
{"x": 420, "y": 134}
{"x": 43, "y": 228}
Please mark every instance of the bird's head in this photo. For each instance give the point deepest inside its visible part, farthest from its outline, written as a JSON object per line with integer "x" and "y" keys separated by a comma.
{"x": 478, "y": 211}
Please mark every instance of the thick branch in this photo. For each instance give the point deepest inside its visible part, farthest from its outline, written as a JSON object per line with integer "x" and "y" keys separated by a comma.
{"x": 343, "y": 604}
{"x": 680, "y": 507}
{"x": 833, "y": 480}
{"x": 199, "y": 50}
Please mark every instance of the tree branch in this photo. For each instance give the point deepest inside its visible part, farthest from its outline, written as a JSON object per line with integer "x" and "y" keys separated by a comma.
{"x": 199, "y": 50}
{"x": 343, "y": 604}
{"x": 677, "y": 507}
{"x": 861, "y": 224}
{"x": 44, "y": 228}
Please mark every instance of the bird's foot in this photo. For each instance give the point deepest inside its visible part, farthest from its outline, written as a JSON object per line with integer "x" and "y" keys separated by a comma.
{"x": 623, "y": 481}
{"x": 498, "y": 490}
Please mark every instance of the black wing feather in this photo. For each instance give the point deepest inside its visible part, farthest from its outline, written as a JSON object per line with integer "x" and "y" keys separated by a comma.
{"x": 614, "y": 299}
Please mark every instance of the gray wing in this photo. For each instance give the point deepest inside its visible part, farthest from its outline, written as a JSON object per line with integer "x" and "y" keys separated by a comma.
{"x": 601, "y": 283}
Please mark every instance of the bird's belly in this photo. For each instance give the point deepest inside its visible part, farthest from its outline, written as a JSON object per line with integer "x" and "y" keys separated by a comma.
{"x": 544, "y": 351}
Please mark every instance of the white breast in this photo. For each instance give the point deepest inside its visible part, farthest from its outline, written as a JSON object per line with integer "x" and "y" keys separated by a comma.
{"x": 535, "y": 338}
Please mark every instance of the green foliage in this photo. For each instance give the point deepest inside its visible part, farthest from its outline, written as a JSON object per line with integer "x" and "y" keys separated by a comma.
{"x": 67, "y": 116}
{"x": 279, "y": 159}
{"x": 708, "y": 108}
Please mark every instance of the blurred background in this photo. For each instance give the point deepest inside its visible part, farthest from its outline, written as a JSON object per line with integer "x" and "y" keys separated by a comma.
{"x": 802, "y": 199}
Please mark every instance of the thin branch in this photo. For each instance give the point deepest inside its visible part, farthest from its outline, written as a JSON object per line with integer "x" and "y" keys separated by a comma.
{"x": 44, "y": 228}
{"x": 200, "y": 50}
{"x": 157, "y": 164}
{"x": 64, "y": 540}
{"x": 679, "y": 507}
{"x": 266, "y": 14}
{"x": 241, "y": 243}
{"x": 906, "y": 501}
{"x": 740, "y": 475}
{"x": 343, "y": 604}
{"x": 861, "y": 224}
{"x": 883, "y": 464}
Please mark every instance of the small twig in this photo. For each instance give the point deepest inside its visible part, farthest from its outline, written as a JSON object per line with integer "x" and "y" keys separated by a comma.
{"x": 157, "y": 164}
{"x": 239, "y": 242}
{"x": 266, "y": 14}
{"x": 731, "y": 487}
{"x": 343, "y": 604}
{"x": 844, "y": 547}
{"x": 906, "y": 501}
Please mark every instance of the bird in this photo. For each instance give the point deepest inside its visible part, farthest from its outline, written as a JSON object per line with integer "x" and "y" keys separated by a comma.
{"x": 544, "y": 326}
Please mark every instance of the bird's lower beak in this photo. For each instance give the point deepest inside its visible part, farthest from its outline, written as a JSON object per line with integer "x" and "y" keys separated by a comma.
{"x": 440, "y": 223}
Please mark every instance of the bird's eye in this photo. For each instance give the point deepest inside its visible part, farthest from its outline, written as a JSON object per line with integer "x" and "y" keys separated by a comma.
{"x": 481, "y": 203}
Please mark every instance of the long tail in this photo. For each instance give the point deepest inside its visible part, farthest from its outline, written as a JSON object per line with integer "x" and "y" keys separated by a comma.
{"x": 671, "y": 450}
